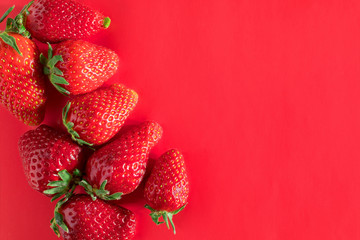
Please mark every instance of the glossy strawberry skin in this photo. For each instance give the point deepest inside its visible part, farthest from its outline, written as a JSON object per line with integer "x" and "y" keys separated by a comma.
{"x": 85, "y": 66}
{"x": 167, "y": 188}
{"x": 55, "y": 21}
{"x": 123, "y": 162}
{"x": 96, "y": 220}
{"x": 22, "y": 84}
{"x": 97, "y": 116}
{"x": 44, "y": 152}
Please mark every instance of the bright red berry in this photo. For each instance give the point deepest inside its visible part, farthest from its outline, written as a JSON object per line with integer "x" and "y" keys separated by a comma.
{"x": 77, "y": 67}
{"x": 85, "y": 219}
{"x": 122, "y": 163}
{"x": 94, "y": 118}
{"x": 167, "y": 188}
{"x": 45, "y": 152}
{"x": 22, "y": 86}
{"x": 55, "y": 21}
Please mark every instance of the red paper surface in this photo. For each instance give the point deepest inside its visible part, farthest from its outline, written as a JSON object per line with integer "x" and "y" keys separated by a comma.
{"x": 262, "y": 98}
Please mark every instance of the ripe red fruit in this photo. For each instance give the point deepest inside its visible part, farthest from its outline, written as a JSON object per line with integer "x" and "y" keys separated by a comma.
{"x": 121, "y": 164}
{"x": 45, "y": 152}
{"x": 167, "y": 188}
{"x": 22, "y": 86}
{"x": 95, "y": 117}
{"x": 79, "y": 66}
{"x": 55, "y": 21}
{"x": 82, "y": 218}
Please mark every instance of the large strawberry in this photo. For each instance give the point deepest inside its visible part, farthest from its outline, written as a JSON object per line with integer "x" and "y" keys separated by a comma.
{"x": 81, "y": 218}
{"x": 58, "y": 20}
{"x": 167, "y": 189}
{"x": 49, "y": 158}
{"x": 22, "y": 86}
{"x": 121, "y": 164}
{"x": 94, "y": 118}
{"x": 77, "y": 67}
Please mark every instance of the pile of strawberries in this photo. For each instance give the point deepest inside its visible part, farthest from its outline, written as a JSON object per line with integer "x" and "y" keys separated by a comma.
{"x": 54, "y": 161}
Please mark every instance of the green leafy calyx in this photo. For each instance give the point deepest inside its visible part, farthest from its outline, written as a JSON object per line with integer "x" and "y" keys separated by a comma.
{"x": 167, "y": 216}
{"x": 67, "y": 184}
{"x": 70, "y": 126}
{"x": 15, "y": 25}
{"x": 64, "y": 187}
{"x": 54, "y": 73}
{"x": 58, "y": 219}
{"x": 101, "y": 193}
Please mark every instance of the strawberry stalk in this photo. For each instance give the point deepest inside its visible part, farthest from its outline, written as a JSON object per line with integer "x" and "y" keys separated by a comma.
{"x": 102, "y": 193}
{"x": 54, "y": 73}
{"x": 107, "y": 22}
{"x": 167, "y": 216}
{"x": 15, "y": 25}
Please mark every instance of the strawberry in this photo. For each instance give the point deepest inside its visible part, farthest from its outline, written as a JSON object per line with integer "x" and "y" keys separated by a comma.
{"x": 84, "y": 219}
{"x": 55, "y": 21}
{"x": 167, "y": 189}
{"x": 121, "y": 164}
{"x": 79, "y": 66}
{"x": 95, "y": 117}
{"x": 22, "y": 85}
{"x": 49, "y": 158}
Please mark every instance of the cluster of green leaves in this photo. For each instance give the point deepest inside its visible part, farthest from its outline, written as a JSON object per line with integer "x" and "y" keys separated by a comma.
{"x": 167, "y": 216}
{"x": 54, "y": 73}
{"x": 64, "y": 187}
{"x": 15, "y": 25}
{"x": 102, "y": 193}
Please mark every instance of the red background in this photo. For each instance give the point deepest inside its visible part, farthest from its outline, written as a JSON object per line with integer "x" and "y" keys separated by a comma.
{"x": 263, "y": 99}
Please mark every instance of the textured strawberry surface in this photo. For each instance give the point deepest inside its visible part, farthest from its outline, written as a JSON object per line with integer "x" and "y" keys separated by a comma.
{"x": 22, "y": 89}
{"x": 54, "y": 21}
{"x": 167, "y": 188}
{"x": 90, "y": 220}
{"x": 44, "y": 152}
{"x": 99, "y": 115}
{"x": 123, "y": 162}
{"x": 86, "y": 66}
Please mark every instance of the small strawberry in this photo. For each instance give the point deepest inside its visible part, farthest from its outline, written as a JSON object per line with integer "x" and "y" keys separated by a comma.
{"x": 94, "y": 118}
{"x": 22, "y": 85}
{"x": 49, "y": 158}
{"x": 79, "y": 66}
{"x": 81, "y": 218}
{"x": 167, "y": 189}
{"x": 55, "y": 21}
{"x": 121, "y": 164}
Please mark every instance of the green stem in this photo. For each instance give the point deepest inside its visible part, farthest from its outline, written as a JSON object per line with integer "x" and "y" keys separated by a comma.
{"x": 167, "y": 216}
{"x": 107, "y": 22}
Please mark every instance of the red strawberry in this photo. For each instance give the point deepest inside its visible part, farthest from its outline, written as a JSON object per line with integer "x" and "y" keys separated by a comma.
{"x": 45, "y": 152}
{"x": 121, "y": 164}
{"x": 167, "y": 189}
{"x": 95, "y": 117}
{"x": 22, "y": 87}
{"x": 55, "y": 21}
{"x": 79, "y": 66}
{"x": 81, "y": 218}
